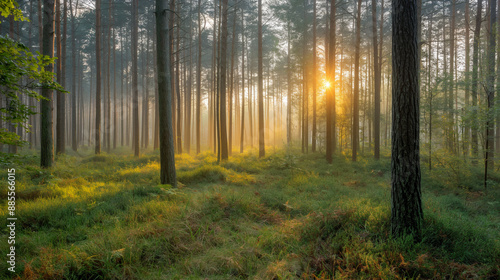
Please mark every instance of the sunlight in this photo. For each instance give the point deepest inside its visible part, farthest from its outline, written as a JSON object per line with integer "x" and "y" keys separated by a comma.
{"x": 327, "y": 84}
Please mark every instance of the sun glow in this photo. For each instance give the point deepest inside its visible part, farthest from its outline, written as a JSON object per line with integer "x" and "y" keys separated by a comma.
{"x": 327, "y": 84}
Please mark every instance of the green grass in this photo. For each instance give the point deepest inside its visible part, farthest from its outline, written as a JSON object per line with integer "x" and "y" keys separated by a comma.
{"x": 286, "y": 216}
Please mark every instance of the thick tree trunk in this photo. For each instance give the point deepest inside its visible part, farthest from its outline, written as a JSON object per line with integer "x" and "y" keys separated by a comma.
{"x": 167, "y": 156}
{"x": 406, "y": 202}
{"x": 47, "y": 147}
{"x": 223, "y": 74}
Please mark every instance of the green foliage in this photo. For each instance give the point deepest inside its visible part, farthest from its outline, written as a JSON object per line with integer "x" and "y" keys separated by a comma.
{"x": 11, "y": 7}
{"x": 21, "y": 73}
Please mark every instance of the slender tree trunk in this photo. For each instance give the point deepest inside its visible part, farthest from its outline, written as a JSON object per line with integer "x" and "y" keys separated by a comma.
{"x": 98, "y": 79}
{"x": 262, "y": 151}
{"x": 198, "y": 85}
{"x": 47, "y": 147}
{"x": 355, "y": 124}
{"x": 475, "y": 78}
{"x": 115, "y": 115}
{"x": 223, "y": 85}
{"x": 178, "y": 88}
{"x": 466, "y": 136}
{"x": 314, "y": 81}
{"x": 490, "y": 88}
{"x": 74, "y": 140}
{"x": 135, "y": 90}
{"x": 231, "y": 92}
{"x": 377, "y": 79}
{"x": 242, "y": 136}
{"x": 188, "y": 93}
{"x": 406, "y": 201}
{"x": 289, "y": 90}
{"x": 330, "y": 93}
{"x": 61, "y": 110}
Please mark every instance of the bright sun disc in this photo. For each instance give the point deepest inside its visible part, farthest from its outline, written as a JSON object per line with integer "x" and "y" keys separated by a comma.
{"x": 327, "y": 84}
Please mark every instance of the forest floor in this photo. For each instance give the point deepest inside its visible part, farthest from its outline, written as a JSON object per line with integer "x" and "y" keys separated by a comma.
{"x": 286, "y": 216}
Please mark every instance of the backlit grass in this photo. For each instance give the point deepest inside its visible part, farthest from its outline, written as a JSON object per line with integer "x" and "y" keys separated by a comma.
{"x": 286, "y": 216}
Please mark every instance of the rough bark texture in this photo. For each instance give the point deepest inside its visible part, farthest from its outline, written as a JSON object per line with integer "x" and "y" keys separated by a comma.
{"x": 47, "y": 146}
{"x": 167, "y": 154}
{"x": 406, "y": 203}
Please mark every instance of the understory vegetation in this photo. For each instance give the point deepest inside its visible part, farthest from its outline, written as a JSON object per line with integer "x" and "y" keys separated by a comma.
{"x": 285, "y": 216}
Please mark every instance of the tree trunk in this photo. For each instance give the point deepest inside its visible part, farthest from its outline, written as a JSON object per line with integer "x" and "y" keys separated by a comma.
{"x": 314, "y": 81}
{"x": 377, "y": 79}
{"x": 406, "y": 204}
{"x": 167, "y": 157}
{"x": 135, "y": 90}
{"x": 490, "y": 88}
{"x": 98, "y": 79}
{"x": 61, "y": 109}
{"x": 198, "y": 85}
{"x": 223, "y": 73}
{"x": 74, "y": 140}
{"x": 289, "y": 90}
{"x": 242, "y": 136}
{"x": 47, "y": 147}
{"x": 262, "y": 151}
{"x": 355, "y": 121}
{"x": 330, "y": 93}
{"x": 475, "y": 78}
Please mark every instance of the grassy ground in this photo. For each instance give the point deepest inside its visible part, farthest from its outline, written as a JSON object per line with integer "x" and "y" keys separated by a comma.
{"x": 286, "y": 216}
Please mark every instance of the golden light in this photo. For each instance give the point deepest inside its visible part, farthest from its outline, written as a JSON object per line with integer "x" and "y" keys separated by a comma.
{"x": 327, "y": 84}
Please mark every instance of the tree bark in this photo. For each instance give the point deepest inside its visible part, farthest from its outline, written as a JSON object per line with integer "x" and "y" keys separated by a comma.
{"x": 198, "y": 85}
{"x": 61, "y": 109}
{"x": 135, "y": 90}
{"x": 406, "y": 202}
{"x": 98, "y": 79}
{"x": 377, "y": 79}
{"x": 330, "y": 93}
{"x": 262, "y": 151}
{"x": 167, "y": 156}
{"x": 355, "y": 121}
{"x": 47, "y": 146}
{"x": 475, "y": 78}
{"x": 490, "y": 90}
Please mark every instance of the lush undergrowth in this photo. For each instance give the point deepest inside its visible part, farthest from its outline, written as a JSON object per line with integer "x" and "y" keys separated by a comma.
{"x": 286, "y": 216}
